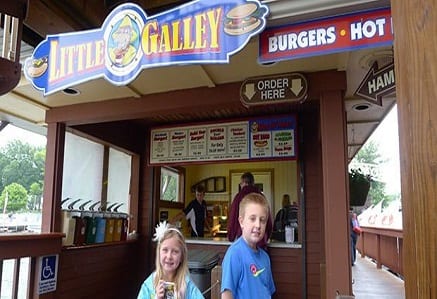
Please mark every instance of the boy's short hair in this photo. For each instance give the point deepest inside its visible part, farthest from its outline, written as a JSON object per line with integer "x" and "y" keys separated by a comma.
{"x": 200, "y": 188}
{"x": 255, "y": 198}
{"x": 248, "y": 178}
{"x": 285, "y": 200}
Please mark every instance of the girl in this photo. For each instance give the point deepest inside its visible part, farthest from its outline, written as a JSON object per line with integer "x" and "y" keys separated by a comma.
{"x": 171, "y": 267}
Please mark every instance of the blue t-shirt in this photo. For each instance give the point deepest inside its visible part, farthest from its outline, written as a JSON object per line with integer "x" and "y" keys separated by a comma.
{"x": 246, "y": 272}
{"x": 147, "y": 290}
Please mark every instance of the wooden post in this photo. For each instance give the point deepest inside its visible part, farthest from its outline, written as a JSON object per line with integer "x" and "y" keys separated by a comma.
{"x": 336, "y": 207}
{"x": 415, "y": 43}
{"x": 51, "y": 218}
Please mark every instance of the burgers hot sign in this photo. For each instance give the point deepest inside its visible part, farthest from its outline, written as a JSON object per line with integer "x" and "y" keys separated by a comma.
{"x": 129, "y": 41}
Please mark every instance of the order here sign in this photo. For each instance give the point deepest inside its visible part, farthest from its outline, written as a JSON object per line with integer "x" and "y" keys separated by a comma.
{"x": 291, "y": 87}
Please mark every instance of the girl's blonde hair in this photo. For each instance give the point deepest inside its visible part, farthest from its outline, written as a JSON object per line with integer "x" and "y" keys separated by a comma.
{"x": 182, "y": 271}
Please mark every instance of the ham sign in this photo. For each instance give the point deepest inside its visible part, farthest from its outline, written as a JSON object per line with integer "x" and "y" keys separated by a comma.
{"x": 332, "y": 35}
{"x": 200, "y": 31}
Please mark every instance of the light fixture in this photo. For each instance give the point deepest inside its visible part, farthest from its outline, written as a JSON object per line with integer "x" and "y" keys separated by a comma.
{"x": 361, "y": 107}
{"x": 270, "y": 63}
{"x": 69, "y": 91}
{"x": 13, "y": 14}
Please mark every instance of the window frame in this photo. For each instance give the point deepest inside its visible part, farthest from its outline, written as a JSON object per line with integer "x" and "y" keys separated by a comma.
{"x": 181, "y": 192}
{"x": 134, "y": 177}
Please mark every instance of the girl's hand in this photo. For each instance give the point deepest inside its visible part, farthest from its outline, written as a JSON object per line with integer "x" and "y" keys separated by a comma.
{"x": 160, "y": 291}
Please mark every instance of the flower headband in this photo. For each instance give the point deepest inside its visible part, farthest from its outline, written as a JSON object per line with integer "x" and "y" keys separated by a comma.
{"x": 160, "y": 230}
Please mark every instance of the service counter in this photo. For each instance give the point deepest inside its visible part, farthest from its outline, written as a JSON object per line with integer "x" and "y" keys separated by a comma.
{"x": 221, "y": 241}
{"x": 286, "y": 261}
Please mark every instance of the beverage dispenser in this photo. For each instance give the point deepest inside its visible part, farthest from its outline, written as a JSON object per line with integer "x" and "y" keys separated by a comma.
{"x": 80, "y": 225}
{"x": 68, "y": 223}
{"x": 91, "y": 224}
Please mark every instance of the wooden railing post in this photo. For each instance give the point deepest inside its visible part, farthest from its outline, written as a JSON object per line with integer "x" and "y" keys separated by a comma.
{"x": 383, "y": 245}
{"x": 33, "y": 246}
{"x": 378, "y": 252}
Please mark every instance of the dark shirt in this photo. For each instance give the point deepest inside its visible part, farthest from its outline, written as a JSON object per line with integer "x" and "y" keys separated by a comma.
{"x": 286, "y": 216}
{"x": 196, "y": 211}
{"x": 234, "y": 228}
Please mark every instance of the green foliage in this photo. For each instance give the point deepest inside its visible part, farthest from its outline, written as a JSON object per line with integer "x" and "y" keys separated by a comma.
{"x": 35, "y": 196}
{"x": 369, "y": 154}
{"x": 356, "y": 175}
{"x": 16, "y": 198}
{"x": 170, "y": 191}
{"x": 359, "y": 185}
{"x": 23, "y": 164}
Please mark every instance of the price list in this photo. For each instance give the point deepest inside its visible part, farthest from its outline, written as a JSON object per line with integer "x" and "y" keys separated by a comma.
{"x": 263, "y": 138}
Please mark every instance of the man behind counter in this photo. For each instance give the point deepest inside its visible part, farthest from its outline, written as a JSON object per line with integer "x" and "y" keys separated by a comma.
{"x": 247, "y": 185}
{"x": 195, "y": 213}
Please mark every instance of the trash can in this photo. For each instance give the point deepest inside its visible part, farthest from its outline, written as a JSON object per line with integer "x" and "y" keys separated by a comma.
{"x": 200, "y": 263}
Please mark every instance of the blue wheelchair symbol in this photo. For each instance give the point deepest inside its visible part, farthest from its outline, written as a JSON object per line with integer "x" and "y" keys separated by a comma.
{"x": 48, "y": 268}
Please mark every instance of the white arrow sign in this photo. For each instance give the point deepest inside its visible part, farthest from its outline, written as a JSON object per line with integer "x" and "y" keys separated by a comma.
{"x": 250, "y": 90}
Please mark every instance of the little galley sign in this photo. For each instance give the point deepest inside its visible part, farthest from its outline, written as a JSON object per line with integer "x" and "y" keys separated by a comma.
{"x": 129, "y": 40}
{"x": 266, "y": 90}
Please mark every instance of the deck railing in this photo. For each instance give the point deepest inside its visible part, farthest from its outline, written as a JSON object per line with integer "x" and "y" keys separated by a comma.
{"x": 18, "y": 262}
{"x": 383, "y": 245}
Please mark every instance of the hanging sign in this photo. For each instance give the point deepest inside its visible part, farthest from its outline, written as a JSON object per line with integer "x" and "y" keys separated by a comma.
{"x": 274, "y": 89}
{"x": 200, "y": 31}
{"x": 377, "y": 83}
{"x": 366, "y": 29}
{"x": 257, "y": 138}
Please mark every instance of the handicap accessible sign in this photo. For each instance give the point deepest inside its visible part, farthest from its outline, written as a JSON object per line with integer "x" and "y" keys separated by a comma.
{"x": 199, "y": 32}
{"x": 48, "y": 273}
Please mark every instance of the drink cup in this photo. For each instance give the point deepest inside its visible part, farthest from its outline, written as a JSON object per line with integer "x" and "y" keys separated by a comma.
{"x": 169, "y": 288}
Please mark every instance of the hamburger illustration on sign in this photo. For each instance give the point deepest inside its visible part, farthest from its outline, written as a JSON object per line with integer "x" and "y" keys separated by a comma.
{"x": 243, "y": 19}
{"x": 36, "y": 67}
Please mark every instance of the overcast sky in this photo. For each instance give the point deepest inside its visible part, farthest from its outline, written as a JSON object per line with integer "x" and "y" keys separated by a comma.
{"x": 10, "y": 133}
{"x": 387, "y": 137}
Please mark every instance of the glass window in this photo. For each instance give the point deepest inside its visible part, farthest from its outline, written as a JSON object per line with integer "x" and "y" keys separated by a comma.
{"x": 83, "y": 169}
{"x": 119, "y": 177}
{"x": 170, "y": 185}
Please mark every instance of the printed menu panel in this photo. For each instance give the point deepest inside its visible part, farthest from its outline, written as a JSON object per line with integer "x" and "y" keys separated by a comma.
{"x": 178, "y": 143}
{"x": 197, "y": 142}
{"x": 273, "y": 137}
{"x": 262, "y": 138}
{"x": 238, "y": 137}
{"x": 160, "y": 145}
{"x": 217, "y": 141}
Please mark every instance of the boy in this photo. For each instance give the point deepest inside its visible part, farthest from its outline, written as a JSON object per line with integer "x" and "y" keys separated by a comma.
{"x": 246, "y": 270}
{"x": 195, "y": 212}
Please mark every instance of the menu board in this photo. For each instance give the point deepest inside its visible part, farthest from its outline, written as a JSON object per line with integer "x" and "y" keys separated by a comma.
{"x": 260, "y": 138}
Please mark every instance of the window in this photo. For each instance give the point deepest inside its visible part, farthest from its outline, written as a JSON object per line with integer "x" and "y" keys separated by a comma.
{"x": 95, "y": 174}
{"x": 119, "y": 177}
{"x": 83, "y": 165}
{"x": 171, "y": 186}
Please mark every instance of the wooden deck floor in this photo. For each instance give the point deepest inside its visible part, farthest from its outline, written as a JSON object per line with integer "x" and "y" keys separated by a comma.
{"x": 371, "y": 283}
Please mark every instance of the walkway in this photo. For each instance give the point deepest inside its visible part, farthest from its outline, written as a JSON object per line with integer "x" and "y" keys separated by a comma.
{"x": 373, "y": 283}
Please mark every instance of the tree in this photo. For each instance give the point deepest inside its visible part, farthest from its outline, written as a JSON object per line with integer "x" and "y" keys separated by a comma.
{"x": 369, "y": 155}
{"x": 14, "y": 198}
{"x": 21, "y": 163}
{"x": 35, "y": 196}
